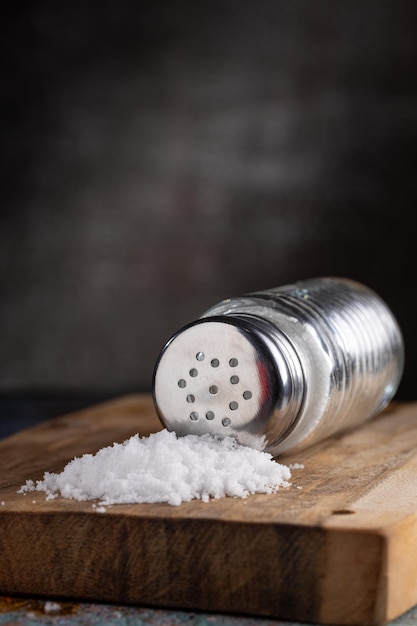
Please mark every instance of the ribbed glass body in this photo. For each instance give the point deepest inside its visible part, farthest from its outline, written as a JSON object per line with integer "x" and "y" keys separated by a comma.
{"x": 349, "y": 346}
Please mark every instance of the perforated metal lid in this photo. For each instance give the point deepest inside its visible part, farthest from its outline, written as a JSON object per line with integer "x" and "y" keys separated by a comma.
{"x": 228, "y": 375}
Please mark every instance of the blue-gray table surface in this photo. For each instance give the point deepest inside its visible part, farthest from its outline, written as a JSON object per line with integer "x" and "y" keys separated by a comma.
{"x": 36, "y": 612}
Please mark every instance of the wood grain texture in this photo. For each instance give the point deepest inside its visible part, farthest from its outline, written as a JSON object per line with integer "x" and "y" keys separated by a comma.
{"x": 337, "y": 547}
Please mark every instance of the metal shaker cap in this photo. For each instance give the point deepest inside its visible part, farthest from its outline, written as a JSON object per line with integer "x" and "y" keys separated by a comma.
{"x": 229, "y": 375}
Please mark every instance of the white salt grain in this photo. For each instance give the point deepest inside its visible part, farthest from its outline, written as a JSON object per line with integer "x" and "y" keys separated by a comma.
{"x": 165, "y": 468}
{"x": 51, "y": 607}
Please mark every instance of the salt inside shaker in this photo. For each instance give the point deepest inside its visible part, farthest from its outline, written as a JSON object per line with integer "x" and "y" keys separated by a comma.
{"x": 283, "y": 368}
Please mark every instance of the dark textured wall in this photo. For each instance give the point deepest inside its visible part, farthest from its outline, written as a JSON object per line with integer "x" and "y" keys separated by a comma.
{"x": 160, "y": 156}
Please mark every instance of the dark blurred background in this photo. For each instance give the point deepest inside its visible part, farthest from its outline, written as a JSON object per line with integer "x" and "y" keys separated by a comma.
{"x": 160, "y": 156}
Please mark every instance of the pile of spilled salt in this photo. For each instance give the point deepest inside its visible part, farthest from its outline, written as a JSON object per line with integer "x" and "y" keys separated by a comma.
{"x": 165, "y": 468}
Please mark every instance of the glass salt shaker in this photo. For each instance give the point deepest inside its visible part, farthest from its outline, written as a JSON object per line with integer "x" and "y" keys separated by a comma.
{"x": 283, "y": 368}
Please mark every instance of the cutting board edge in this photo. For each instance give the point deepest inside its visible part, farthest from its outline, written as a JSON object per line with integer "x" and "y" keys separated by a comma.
{"x": 343, "y": 547}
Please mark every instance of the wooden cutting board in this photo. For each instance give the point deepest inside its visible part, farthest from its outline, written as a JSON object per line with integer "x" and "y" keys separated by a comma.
{"x": 337, "y": 547}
